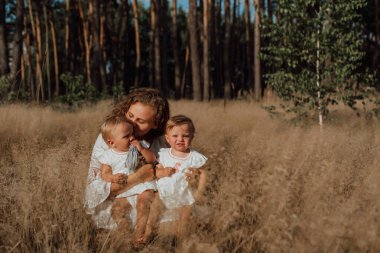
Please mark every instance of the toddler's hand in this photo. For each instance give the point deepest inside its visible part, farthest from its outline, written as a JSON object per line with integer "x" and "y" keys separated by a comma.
{"x": 164, "y": 172}
{"x": 135, "y": 143}
{"x": 120, "y": 178}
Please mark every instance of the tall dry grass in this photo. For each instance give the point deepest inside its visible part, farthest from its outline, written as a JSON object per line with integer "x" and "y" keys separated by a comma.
{"x": 274, "y": 187}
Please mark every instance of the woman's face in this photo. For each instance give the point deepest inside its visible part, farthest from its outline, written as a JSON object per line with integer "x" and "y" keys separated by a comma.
{"x": 143, "y": 118}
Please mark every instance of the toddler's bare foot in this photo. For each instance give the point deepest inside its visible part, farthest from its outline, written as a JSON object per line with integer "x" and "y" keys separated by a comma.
{"x": 148, "y": 235}
{"x": 138, "y": 243}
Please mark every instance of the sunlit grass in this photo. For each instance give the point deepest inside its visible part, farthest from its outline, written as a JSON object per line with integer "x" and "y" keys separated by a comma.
{"x": 274, "y": 186}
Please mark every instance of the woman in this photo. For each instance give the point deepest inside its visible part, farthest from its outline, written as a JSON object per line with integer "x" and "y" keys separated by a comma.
{"x": 149, "y": 112}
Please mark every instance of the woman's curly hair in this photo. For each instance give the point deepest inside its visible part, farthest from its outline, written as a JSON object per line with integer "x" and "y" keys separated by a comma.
{"x": 151, "y": 97}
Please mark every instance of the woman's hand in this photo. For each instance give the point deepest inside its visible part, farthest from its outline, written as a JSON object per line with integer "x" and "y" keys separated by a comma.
{"x": 192, "y": 177}
{"x": 199, "y": 197}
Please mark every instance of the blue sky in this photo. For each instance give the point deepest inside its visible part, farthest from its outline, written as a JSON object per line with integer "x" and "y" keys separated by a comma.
{"x": 185, "y": 4}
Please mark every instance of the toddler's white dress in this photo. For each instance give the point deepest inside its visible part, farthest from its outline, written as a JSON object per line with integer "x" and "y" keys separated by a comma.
{"x": 96, "y": 201}
{"x": 174, "y": 191}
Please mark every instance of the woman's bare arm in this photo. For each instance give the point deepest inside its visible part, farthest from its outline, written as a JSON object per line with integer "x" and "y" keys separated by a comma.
{"x": 201, "y": 185}
{"x": 198, "y": 179}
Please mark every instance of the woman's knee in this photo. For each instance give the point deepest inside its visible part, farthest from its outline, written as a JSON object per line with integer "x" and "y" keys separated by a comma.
{"x": 120, "y": 205}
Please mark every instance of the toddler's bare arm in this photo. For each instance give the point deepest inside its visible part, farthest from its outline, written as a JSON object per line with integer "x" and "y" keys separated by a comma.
{"x": 148, "y": 155}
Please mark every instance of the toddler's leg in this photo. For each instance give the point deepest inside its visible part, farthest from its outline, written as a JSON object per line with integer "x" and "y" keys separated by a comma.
{"x": 156, "y": 209}
{"x": 144, "y": 201}
{"x": 183, "y": 222}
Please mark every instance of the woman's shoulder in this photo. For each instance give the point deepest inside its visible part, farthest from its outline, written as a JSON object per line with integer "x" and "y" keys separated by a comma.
{"x": 100, "y": 144}
{"x": 158, "y": 143}
{"x": 99, "y": 147}
{"x": 161, "y": 141}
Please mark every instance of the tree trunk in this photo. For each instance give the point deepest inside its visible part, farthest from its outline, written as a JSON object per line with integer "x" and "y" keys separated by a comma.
{"x": 17, "y": 46}
{"x": 257, "y": 67}
{"x": 36, "y": 29}
{"x": 4, "y": 66}
{"x": 194, "y": 53}
{"x": 137, "y": 42}
{"x": 183, "y": 82}
{"x": 248, "y": 64}
{"x": 278, "y": 14}
{"x": 67, "y": 37}
{"x": 234, "y": 61}
{"x": 28, "y": 61}
{"x": 213, "y": 48}
{"x": 47, "y": 50}
{"x": 226, "y": 53}
{"x": 114, "y": 27}
{"x": 163, "y": 31}
{"x": 125, "y": 39}
{"x": 55, "y": 55}
{"x": 87, "y": 37}
{"x": 99, "y": 74}
{"x": 156, "y": 43}
{"x": 177, "y": 70}
{"x": 219, "y": 73}
{"x": 152, "y": 49}
{"x": 40, "y": 80}
{"x": 206, "y": 69}
{"x": 377, "y": 40}
{"x": 270, "y": 11}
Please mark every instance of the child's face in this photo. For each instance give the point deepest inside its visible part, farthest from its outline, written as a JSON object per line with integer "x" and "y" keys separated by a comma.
{"x": 121, "y": 137}
{"x": 179, "y": 138}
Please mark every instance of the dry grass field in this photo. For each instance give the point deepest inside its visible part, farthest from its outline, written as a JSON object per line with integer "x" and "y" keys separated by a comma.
{"x": 274, "y": 186}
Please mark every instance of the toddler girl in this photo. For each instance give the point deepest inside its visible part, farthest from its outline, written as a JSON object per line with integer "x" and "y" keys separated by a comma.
{"x": 121, "y": 159}
{"x": 174, "y": 193}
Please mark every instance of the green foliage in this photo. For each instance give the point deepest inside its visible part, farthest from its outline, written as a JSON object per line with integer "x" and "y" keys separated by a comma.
{"x": 308, "y": 33}
{"x": 5, "y": 84}
{"x": 6, "y": 93}
{"x": 118, "y": 92}
{"x": 78, "y": 92}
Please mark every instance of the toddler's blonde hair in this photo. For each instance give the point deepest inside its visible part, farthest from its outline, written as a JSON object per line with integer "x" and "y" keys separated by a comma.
{"x": 178, "y": 120}
{"x": 109, "y": 124}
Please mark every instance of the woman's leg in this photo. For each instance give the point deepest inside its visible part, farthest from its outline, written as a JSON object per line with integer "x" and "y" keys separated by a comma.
{"x": 120, "y": 213}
